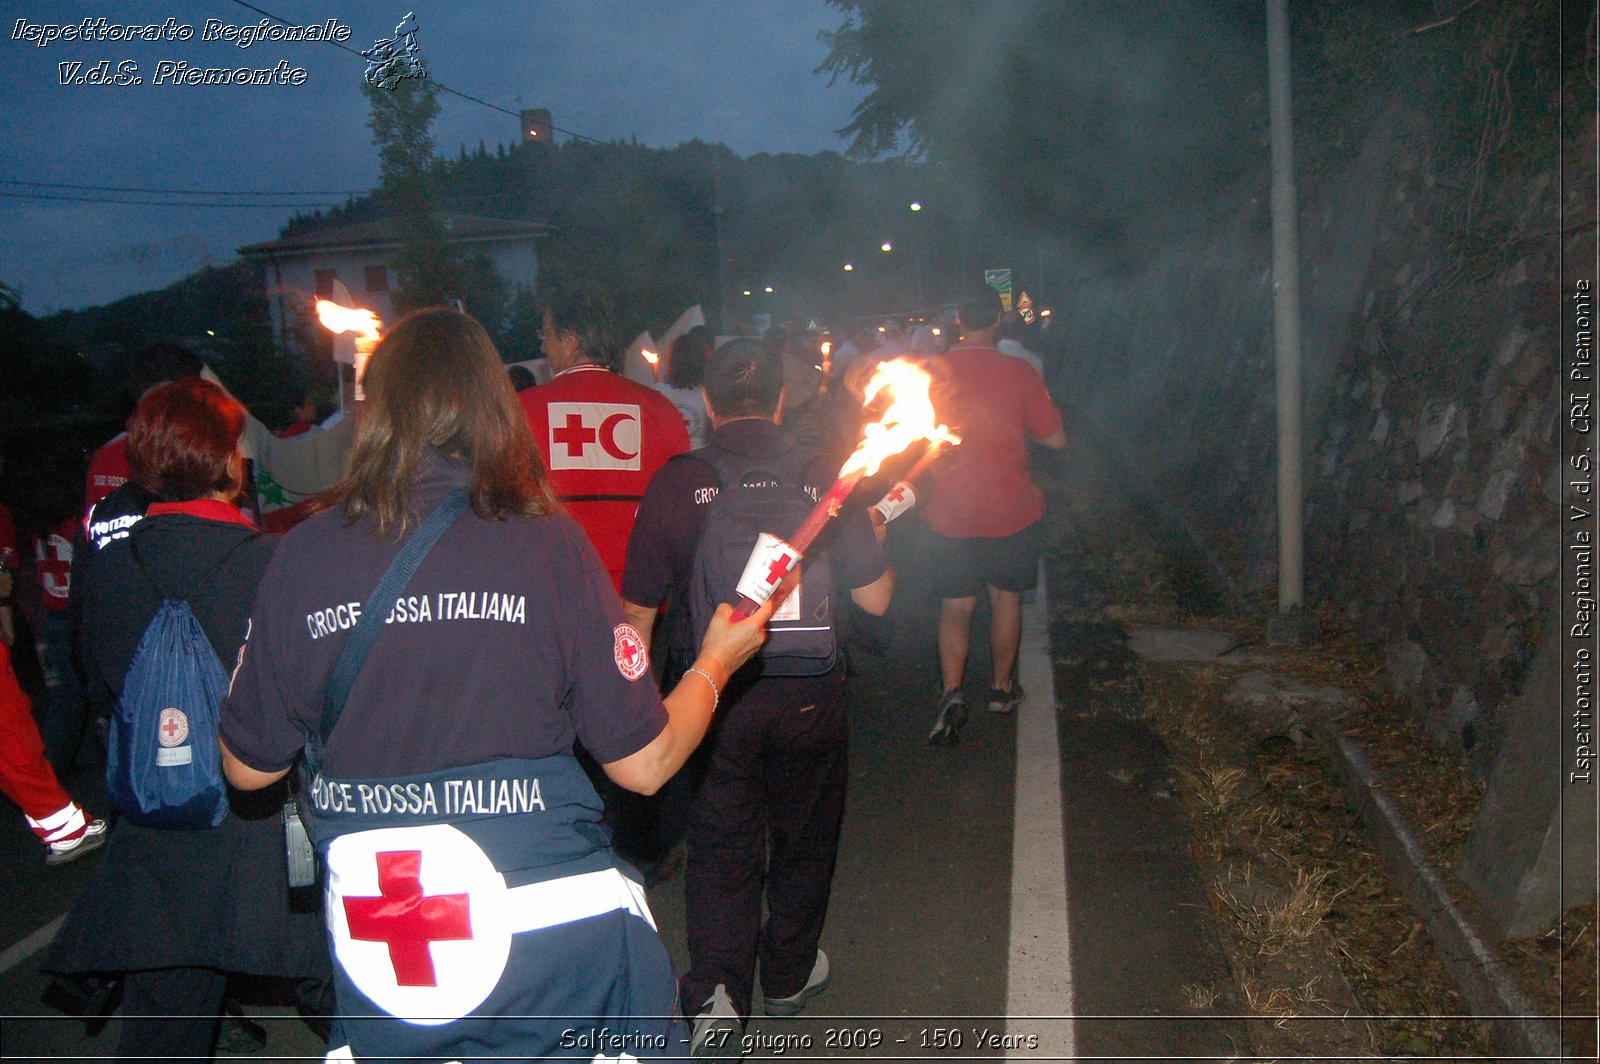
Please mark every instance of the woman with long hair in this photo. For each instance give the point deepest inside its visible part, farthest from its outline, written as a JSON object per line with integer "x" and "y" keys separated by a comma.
{"x": 175, "y": 911}
{"x": 686, "y": 370}
{"x": 474, "y": 904}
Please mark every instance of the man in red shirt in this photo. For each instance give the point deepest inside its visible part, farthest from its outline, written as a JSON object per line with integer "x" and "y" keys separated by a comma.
{"x": 602, "y": 436}
{"x": 65, "y": 717}
{"x": 986, "y": 511}
{"x": 26, "y": 778}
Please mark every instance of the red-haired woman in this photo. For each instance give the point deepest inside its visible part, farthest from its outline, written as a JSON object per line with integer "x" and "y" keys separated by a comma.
{"x": 474, "y": 904}
{"x": 174, "y": 910}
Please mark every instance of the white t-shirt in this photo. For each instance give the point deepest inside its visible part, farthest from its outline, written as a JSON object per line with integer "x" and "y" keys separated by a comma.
{"x": 692, "y": 405}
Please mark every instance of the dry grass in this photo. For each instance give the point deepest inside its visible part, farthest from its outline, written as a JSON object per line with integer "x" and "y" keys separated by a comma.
{"x": 1283, "y": 918}
{"x": 1282, "y": 1003}
{"x": 1214, "y": 787}
{"x": 1308, "y": 917}
{"x": 1201, "y": 998}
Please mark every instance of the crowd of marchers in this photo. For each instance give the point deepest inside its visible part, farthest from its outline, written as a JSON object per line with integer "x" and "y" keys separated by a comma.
{"x": 553, "y": 759}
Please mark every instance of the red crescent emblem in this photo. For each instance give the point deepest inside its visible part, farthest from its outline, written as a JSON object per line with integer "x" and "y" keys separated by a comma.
{"x": 608, "y": 437}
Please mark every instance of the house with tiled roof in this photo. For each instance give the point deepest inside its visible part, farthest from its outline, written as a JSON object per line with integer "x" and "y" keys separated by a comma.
{"x": 360, "y": 256}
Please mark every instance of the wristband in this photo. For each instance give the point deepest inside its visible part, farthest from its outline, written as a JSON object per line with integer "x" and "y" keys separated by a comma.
{"x": 716, "y": 692}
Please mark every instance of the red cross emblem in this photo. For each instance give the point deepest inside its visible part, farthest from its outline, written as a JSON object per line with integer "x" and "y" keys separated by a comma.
{"x": 172, "y": 727}
{"x": 898, "y": 494}
{"x": 779, "y": 568}
{"x": 633, "y": 660}
{"x": 574, "y": 435}
{"x": 419, "y": 920}
{"x": 406, "y": 920}
{"x": 594, "y": 435}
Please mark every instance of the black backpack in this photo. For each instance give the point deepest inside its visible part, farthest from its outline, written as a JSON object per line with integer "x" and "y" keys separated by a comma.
{"x": 758, "y": 495}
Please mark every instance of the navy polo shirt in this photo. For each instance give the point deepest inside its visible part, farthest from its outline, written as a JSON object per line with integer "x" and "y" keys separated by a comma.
{"x": 509, "y": 642}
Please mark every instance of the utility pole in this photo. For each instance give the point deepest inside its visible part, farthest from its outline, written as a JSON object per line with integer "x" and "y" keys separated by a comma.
{"x": 1286, "y": 329}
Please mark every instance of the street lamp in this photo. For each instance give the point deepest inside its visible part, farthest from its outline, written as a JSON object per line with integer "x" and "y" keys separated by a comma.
{"x": 916, "y": 205}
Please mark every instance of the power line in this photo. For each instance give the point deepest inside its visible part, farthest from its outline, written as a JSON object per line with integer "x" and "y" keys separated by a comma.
{"x": 442, "y": 87}
{"x": 163, "y": 203}
{"x": 182, "y": 191}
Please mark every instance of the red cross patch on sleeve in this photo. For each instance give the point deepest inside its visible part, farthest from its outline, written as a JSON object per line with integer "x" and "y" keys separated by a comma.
{"x": 633, "y": 660}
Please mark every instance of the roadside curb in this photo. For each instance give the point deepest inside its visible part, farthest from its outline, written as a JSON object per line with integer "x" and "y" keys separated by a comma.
{"x": 1519, "y": 1028}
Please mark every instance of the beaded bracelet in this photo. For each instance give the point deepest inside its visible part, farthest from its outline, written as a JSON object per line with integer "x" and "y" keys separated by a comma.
{"x": 716, "y": 692}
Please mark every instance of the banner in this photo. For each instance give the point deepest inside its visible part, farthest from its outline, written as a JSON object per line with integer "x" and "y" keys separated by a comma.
{"x": 290, "y": 471}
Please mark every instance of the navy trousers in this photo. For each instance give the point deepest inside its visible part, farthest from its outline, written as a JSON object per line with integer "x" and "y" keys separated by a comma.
{"x": 765, "y": 822}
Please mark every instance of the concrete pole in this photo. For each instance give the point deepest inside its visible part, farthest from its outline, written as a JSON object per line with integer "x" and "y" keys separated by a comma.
{"x": 1286, "y": 314}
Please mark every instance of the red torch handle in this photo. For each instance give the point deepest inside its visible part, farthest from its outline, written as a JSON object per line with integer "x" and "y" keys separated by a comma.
{"x": 744, "y": 608}
{"x": 826, "y": 507}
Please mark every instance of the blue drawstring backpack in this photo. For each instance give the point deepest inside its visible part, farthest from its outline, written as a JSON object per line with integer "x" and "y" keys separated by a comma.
{"x": 163, "y": 764}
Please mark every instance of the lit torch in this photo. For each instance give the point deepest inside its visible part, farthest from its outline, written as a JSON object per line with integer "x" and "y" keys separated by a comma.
{"x": 358, "y": 320}
{"x": 907, "y": 418}
{"x": 654, "y": 359}
{"x": 903, "y": 496}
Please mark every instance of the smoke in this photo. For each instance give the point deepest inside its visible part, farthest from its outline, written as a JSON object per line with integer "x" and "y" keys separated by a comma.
{"x": 1075, "y": 130}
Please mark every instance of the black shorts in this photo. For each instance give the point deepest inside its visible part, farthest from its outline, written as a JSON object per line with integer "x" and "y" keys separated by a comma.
{"x": 962, "y": 567}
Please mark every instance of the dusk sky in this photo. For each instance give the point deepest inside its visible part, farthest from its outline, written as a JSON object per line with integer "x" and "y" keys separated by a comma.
{"x": 738, "y": 72}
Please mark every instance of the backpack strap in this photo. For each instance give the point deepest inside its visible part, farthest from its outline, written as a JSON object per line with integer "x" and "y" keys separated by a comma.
{"x": 205, "y": 577}
{"x": 388, "y": 591}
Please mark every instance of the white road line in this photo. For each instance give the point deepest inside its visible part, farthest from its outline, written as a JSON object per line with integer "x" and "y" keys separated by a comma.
{"x": 21, "y": 951}
{"x": 1039, "y": 980}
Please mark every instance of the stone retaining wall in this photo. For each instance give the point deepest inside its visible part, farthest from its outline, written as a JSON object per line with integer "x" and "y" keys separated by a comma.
{"x": 1431, "y": 432}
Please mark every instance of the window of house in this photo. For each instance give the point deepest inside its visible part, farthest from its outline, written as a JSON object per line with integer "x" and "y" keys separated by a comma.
{"x": 325, "y": 279}
{"x": 377, "y": 278}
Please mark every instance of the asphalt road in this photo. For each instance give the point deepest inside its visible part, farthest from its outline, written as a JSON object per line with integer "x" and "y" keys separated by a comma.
{"x": 1027, "y": 894}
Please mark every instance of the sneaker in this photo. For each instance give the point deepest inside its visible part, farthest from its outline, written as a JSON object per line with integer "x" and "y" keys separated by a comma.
{"x": 238, "y": 1034}
{"x": 717, "y": 1030}
{"x": 951, "y": 716}
{"x": 816, "y": 984}
{"x": 1005, "y": 701}
{"x": 93, "y": 837}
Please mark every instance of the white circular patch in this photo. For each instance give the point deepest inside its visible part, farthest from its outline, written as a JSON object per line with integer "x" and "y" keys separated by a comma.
{"x": 394, "y": 956}
{"x": 172, "y": 728}
{"x": 770, "y": 563}
{"x": 633, "y": 660}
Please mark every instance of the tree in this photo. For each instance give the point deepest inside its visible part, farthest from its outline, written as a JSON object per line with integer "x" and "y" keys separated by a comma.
{"x": 427, "y": 270}
{"x": 1103, "y": 123}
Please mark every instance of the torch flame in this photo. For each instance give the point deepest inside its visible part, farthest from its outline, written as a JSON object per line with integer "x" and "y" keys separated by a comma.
{"x": 358, "y": 320}
{"x": 909, "y": 417}
{"x": 649, "y": 355}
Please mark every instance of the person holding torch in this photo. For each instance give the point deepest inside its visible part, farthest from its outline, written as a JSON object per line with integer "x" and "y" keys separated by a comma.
{"x": 474, "y": 905}
{"x": 776, "y": 759}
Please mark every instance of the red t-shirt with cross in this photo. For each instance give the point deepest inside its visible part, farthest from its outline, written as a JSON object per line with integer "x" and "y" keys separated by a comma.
{"x": 108, "y": 471}
{"x": 52, "y": 556}
{"x": 603, "y": 437}
{"x": 994, "y": 402}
